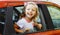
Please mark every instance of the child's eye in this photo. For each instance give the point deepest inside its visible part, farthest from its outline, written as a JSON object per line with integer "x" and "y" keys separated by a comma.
{"x": 33, "y": 10}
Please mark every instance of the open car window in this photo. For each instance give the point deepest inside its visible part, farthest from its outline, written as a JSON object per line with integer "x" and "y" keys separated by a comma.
{"x": 17, "y": 15}
{"x": 55, "y": 15}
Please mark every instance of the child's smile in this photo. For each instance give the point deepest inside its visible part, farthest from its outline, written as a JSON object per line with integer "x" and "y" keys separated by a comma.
{"x": 30, "y": 14}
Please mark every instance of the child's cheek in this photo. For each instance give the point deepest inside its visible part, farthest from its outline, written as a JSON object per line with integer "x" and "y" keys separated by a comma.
{"x": 34, "y": 13}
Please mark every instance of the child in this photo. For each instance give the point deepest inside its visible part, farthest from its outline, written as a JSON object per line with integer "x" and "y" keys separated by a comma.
{"x": 27, "y": 23}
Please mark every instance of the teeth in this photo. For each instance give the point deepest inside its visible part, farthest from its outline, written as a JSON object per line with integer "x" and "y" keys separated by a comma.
{"x": 29, "y": 14}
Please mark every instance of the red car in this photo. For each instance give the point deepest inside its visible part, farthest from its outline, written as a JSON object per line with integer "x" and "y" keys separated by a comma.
{"x": 49, "y": 18}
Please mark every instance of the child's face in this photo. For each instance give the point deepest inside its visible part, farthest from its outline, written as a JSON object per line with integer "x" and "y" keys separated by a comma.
{"x": 30, "y": 11}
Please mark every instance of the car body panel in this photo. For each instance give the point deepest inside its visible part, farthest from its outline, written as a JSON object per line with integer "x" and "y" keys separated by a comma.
{"x": 52, "y": 32}
{"x": 16, "y": 3}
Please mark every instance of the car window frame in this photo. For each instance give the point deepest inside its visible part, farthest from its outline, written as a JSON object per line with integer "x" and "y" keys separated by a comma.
{"x": 9, "y": 11}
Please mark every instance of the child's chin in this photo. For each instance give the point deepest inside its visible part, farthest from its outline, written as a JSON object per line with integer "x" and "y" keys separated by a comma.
{"x": 30, "y": 17}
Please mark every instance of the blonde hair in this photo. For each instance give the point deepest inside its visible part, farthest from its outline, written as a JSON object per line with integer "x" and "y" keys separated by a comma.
{"x": 37, "y": 11}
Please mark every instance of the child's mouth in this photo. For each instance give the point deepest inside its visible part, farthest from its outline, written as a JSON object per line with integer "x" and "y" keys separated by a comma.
{"x": 30, "y": 14}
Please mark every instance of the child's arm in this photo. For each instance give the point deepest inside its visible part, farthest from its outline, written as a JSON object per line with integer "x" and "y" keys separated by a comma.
{"x": 16, "y": 29}
{"x": 39, "y": 26}
{"x": 20, "y": 31}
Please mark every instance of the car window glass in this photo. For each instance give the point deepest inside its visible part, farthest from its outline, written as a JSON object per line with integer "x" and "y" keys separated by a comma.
{"x": 55, "y": 15}
{"x": 2, "y": 19}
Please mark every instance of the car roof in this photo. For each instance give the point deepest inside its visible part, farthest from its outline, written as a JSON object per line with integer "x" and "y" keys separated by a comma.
{"x": 4, "y": 4}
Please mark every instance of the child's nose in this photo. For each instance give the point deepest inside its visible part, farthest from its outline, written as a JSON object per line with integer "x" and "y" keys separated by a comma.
{"x": 30, "y": 11}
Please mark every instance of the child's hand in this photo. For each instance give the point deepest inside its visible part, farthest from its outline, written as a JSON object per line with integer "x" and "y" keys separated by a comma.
{"x": 21, "y": 31}
{"x": 27, "y": 29}
{"x": 39, "y": 26}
